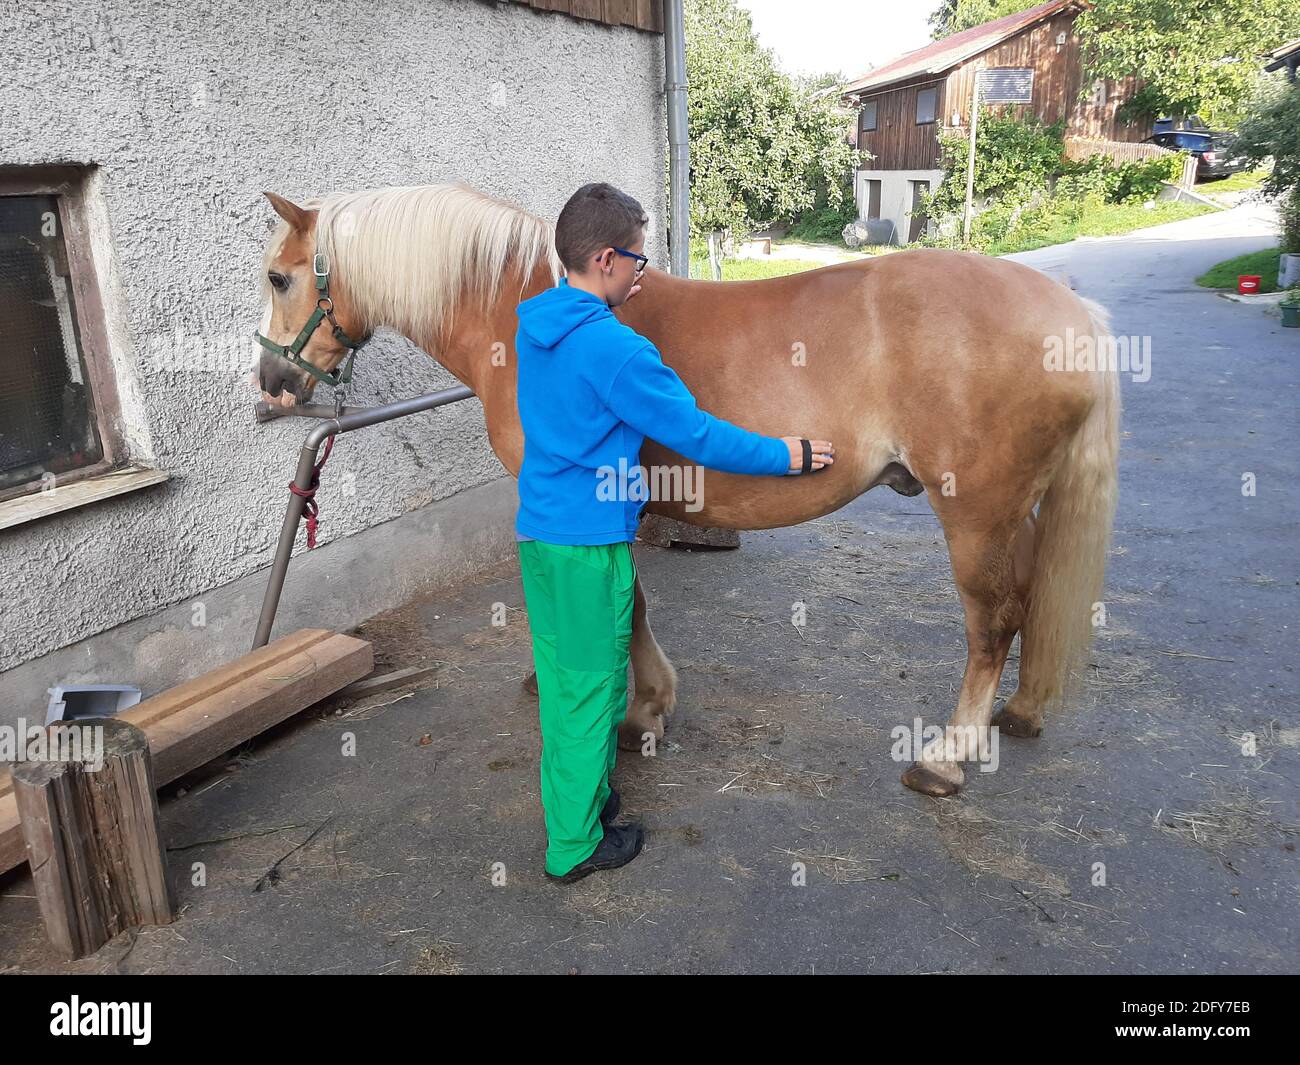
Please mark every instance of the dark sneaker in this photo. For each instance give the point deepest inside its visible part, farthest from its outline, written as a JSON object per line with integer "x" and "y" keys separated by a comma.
{"x": 611, "y": 808}
{"x": 619, "y": 846}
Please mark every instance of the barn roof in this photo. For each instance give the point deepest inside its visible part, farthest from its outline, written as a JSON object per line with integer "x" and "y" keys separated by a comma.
{"x": 943, "y": 55}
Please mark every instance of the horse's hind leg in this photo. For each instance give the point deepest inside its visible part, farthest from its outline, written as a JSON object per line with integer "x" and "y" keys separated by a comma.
{"x": 984, "y": 563}
{"x": 653, "y": 677}
{"x": 1022, "y": 716}
{"x": 654, "y": 682}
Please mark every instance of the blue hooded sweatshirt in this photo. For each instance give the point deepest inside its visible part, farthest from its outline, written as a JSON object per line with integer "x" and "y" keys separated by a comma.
{"x": 590, "y": 390}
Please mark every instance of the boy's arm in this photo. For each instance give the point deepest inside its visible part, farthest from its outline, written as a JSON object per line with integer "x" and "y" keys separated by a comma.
{"x": 651, "y": 398}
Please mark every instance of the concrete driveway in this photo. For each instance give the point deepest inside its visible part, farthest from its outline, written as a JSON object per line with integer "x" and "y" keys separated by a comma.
{"x": 422, "y": 853}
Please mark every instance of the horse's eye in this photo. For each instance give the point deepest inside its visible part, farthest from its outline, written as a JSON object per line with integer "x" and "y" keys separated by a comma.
{"x": 278, "y": 281}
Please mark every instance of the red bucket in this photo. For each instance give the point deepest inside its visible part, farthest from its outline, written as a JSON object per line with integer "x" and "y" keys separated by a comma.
{"x": 1248, "y": 284}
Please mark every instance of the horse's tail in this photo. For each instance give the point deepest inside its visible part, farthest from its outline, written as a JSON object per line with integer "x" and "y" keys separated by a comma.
{"x": 1071, "y": 540}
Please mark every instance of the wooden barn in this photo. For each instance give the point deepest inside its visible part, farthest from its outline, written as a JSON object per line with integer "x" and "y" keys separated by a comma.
{"x": 905, "y": 104}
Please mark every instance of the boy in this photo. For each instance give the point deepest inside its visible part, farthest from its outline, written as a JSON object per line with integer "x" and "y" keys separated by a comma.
{"x": 590, "y": 390}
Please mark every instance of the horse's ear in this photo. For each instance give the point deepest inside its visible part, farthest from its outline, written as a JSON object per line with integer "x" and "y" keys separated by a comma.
{"x": 297, "y": 218}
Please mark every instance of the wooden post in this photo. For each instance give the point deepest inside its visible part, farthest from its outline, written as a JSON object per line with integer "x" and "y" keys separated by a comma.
{"x": 89, "y": 814}
{"x": 970, "y": 164}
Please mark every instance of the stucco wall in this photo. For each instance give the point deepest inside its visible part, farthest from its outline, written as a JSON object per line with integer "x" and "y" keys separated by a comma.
{"x": 190, "y": 110}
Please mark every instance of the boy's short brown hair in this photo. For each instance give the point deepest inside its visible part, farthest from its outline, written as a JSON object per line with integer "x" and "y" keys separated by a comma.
{"x": 596, "y": 216}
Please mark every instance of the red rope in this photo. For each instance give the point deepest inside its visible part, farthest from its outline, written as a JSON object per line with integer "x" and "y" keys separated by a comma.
{"x": 310, "y": 508}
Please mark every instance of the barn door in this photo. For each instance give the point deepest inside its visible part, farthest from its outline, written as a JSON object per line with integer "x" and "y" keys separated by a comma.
{"x": 919, "y": 188}
{"x": 873, "y": 200}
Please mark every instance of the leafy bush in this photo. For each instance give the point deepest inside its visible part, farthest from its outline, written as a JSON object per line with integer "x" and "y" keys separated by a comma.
{"x": 1119, "y": 183}
{"x": 1289, "y": 212}
{"x": 1014, "y": 160}
{"x": 824, "y": 225}
{"x": 1097, "y": 176}
{"x": 1139, "y": 182}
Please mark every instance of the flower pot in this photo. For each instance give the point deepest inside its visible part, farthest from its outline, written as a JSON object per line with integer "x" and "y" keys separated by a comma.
{"x": 1291, "y": 317}
{"x": 1288, "y": 271}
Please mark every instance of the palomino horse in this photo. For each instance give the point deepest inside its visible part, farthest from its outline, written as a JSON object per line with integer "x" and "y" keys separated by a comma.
{"x": 926, "y": 368}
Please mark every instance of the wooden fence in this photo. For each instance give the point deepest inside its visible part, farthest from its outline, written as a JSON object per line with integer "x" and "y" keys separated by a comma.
{"x": 1081, "y": 149}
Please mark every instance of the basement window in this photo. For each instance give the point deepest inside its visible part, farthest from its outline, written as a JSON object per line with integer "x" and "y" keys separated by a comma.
{"x": 57, "y": 395}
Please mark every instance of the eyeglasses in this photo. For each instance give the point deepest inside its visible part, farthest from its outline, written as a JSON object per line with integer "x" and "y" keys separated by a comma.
{"x": 642, "y": 261}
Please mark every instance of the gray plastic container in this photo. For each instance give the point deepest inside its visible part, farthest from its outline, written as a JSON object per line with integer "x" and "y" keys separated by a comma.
{"x": 75, "y": 701}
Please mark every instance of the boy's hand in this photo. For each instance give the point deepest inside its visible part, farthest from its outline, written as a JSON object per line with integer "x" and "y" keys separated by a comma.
{"x": 822, "y": 453}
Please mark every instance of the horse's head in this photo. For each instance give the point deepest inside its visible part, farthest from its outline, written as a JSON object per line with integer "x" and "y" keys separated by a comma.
{"x": 308, "y": 330}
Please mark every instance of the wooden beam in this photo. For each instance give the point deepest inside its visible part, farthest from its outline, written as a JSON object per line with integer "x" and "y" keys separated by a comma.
{"x": 202, "y": 718}
{"x": 619, "y": 12}
{"x": 650, "y": 15}
{"x": 384, "y": 682}
{"x": 641, "y": 14}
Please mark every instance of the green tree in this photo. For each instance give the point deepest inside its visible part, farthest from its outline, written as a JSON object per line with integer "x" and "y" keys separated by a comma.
{"x": 762, "y": 147}
{"x": 1272, "y": 131}
{"x": 953, "y": 16}
{"x": 1193, "y": 56}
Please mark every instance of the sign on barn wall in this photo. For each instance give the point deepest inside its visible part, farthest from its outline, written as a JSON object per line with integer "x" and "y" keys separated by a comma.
{"x": 1006, "y": 85}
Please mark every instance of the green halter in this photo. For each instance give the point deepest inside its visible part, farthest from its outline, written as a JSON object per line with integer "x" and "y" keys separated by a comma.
{"x": 324, "y": 310}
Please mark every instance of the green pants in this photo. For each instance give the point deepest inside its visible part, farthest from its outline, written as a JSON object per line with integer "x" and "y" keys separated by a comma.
{"x": 579, "y": 601}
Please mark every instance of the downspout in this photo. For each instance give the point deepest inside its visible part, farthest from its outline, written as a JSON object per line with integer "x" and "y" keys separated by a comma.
{"x": 679, "y": 149}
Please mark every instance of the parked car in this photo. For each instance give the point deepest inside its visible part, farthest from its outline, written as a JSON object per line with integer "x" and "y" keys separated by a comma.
{"x": 1193, "y": 122}
{"x": 1213, "y": 150}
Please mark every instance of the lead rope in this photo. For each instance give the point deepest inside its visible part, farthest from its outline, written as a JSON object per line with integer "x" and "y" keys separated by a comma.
{"x": 310, "y": 508}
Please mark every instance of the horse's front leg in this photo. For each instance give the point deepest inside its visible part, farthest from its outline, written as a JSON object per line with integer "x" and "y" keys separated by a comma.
{"x": 654, "y": 682}
{"x": 654, "y": 679}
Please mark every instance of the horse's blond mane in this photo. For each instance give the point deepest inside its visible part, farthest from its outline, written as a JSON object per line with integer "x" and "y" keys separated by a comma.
{"x": 406, "y": 254}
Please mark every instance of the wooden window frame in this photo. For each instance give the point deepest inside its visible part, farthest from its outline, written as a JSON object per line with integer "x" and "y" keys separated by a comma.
{"x": 934, "y": 88}
{"x": 68, "y": 185}
{"x": 875, "y": 117}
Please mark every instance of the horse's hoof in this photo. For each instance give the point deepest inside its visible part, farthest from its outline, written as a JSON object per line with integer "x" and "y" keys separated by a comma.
{"x": 922, "y": 778}
{"x": 632, "y": 736}
{"x": 1016, "y": 726}
{"x": 530, "y": 685}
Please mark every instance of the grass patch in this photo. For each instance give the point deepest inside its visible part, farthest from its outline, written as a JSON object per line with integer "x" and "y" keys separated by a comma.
{"x": 1225, "y": 274}
{"x": 1106, "y": 221}
{"x": 1245, "y": 181}
{"x": 788, "y": 243}
{"x": 752, "y": 269}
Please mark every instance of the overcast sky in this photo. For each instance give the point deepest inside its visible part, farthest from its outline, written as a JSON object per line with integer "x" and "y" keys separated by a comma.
{"x": 849, "y": 36}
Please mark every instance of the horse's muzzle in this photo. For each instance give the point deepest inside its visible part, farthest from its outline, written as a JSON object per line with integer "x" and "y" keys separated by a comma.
{"x": 276, "y": 376}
